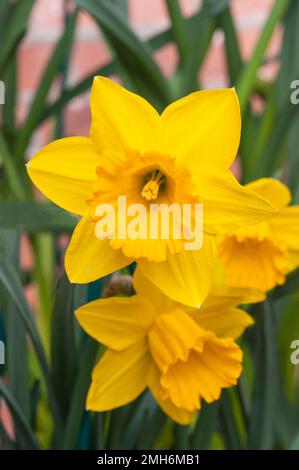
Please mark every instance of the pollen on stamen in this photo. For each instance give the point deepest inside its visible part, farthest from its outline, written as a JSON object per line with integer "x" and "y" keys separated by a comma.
{"x": 151, "y": 189}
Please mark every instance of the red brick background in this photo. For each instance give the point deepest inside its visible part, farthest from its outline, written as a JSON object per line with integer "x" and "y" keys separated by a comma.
{"x": 147, "y": 17}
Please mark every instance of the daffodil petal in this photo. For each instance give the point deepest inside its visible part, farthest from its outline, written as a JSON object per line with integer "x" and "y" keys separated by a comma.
{"x": 203, "y": 128}
{"x": 227, "y": 205}
{"x": 225, "y": 322}
{"x": 204, "y": 374}
{"x": 179, "y": 415}
{"x": 116, "y": 322}
{"x": 293, "y": 260}
{"x": 227, "y": 296}
{"x": 120, "y": 119}
{"x": 146, "y": 288}
{"x": 185, "y": 277}
{"x": 89, "y": 258}
{"x": 273, "y": 190}
{"x": 119, "y": 377}
{"x": 219, "y": 314}
{"x": 64, "y": 171}
{"x": 286, "y": 226}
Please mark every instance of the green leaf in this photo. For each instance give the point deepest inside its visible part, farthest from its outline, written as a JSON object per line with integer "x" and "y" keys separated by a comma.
{"x": 11, "y": 283}
{"x": 248, "y": 76}
{"x": 5, "y": 441}
{"x": 19, "y": 418}
{"x": 228, "y": 423}
{"x": 265, "y": 390}
{"x": 179, "y": 27}
{"x": 41, "y": 94}
{"x": 15, "y": 182}
{"x": 289, "y": 71}
{"x": 232, "y": 49}
{"x": 133, "y": 55}
{"x": 291, "y": 286}
{"x": 14, "y": 29}
{"x": 295, "y": 443}
{"x": 109, "y": 69}
{"x": 10, "y": 80}
{"x": 216, "y": 7}
{"x": 77, "y": 400}
{"x": 122, "y": 5}
{"x": 201, "y": 33}
{"x": 64, "y": 360}
{"x": 17, "y": 348}
{"x": 34, "y": 217}
{"x": 206, "y": 426}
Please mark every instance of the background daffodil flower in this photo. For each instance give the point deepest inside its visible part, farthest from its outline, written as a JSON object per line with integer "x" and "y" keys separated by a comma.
{"x": 182, "y": 354}
{"x": 180, "y": 156}
{"x": 261, "y": 255}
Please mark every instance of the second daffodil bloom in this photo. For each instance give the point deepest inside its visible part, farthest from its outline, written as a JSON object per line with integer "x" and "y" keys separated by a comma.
{"x": 181, "y": 156}
{"x": 260, "y": 256}
{"x": 184, "y": 355}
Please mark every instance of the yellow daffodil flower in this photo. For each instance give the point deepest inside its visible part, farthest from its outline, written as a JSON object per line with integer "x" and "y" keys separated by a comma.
{"x": 261, "y": 255}
{"x": 182, "y": 354}
{"x": 180, "y": 156}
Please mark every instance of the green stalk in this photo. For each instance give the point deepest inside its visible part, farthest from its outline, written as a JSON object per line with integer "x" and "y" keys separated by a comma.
{"x": 22, "y": 423}
{"x": 77, "y": 400}
{"x": 43, "y": 273}
{"x": 16, "y": 185}
{"x": 203, "y": 33}
{"x": 232, "y": 49}
{"x": 178, "y": 27}
{"x": 248, "y": 76}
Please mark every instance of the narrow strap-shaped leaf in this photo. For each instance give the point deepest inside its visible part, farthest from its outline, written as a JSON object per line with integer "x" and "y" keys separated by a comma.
{"x": 206, "y": 426}
{"x": 289, "y": 71}
{"x": 77, "y": 404}
{"x": 265, "y": 391}
{"x": 64, "y": 358}
{"x": 22, "y": 423}
{"x": 17, "y": 348}
{"x": 15, "y": 28}
{"x": 248, "y": 76}
{"x": 5, "y": 441}
{"x": 34, "y": 217}
{"x": 133, "y": 55}
{"x": 14, "y": 180}
{"x": 178, "y": 25}
{"x": 10, "y": 106}
{"x": 154, "y": 43}
{"x": 291, "y": 286}
{"x": 201, "y": 35}
{"x": 122, "y": 5}
{"x": 46, "y": 81}
{"x": 181, "y": 437}
{"x": 228, "y": 424}
{"x": 295, "y": 444}
{"x": 232, "y": 49}
{"x": 11, "y": 283}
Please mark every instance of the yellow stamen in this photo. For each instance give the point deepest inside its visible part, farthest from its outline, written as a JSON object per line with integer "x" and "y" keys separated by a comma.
{"x": 150, "y": 190}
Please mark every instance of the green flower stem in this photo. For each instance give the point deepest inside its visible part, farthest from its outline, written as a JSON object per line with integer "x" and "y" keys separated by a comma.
{"x": 13, "y": 178}
{"x": 179, "y": 27}
{"x": 248, "y": 76}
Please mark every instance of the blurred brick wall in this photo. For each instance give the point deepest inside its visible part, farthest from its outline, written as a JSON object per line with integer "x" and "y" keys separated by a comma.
{"x": 147, "y": 18}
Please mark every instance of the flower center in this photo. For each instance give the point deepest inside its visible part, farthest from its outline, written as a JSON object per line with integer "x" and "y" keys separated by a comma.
{"x": 155, "y": 180}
